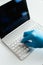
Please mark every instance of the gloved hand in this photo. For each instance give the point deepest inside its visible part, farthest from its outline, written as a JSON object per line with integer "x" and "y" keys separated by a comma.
{"x": 33, "y": 39}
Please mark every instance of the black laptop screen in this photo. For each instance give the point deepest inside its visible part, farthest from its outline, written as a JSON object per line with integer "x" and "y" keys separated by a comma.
{"x": 12, "y": 15}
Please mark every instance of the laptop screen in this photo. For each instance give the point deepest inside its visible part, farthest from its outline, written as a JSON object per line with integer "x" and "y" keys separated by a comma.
{"x": 12, "y": 15}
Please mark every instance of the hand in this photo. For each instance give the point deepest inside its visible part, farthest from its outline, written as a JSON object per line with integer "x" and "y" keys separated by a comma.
{"x": 33, "y": 38}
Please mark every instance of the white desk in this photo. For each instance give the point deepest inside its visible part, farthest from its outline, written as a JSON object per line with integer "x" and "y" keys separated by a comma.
{"x": 7, "y": 57}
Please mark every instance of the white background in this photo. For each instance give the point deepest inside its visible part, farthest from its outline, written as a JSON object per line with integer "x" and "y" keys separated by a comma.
{"x": 6, "y": 56}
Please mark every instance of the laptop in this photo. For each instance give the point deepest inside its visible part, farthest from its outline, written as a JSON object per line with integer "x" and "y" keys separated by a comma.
{"x": 14, "y": 21}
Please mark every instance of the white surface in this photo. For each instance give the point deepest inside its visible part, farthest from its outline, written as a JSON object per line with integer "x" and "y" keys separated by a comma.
{"x": 36, "y": 10}
{"x": 36, "y": 58}
{"x": 2, "y": 2}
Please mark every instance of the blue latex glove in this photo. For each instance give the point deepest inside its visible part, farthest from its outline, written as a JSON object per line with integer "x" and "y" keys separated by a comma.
{"x": 33, "y": 38}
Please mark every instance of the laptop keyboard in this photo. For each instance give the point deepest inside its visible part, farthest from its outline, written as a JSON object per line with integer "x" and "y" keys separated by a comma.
{"x": 20, "y": 50}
